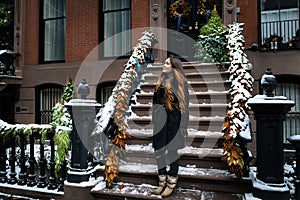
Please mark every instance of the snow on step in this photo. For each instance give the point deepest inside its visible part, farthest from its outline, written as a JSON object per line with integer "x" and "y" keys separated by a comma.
{"x": 143, "y": 191}
{"x": 189, "y": 150}
{"x": 187, "y": 171}
{"x": 147, "y": 133}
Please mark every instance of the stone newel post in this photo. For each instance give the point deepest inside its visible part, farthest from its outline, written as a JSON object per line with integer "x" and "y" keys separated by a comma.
{"x": 270, "y": 112}
{"x": 83, "y": 112}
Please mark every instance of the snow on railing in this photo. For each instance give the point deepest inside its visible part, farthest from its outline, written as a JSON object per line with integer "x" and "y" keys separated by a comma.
{"x": 112, "y": 118}
{"x": 236, "y": 127}
{"x": 21, "y": 144}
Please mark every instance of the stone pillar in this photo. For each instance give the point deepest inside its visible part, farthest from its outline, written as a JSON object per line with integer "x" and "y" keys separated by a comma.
{"x": 158, "y": 24}
{"x": 229, "y": 12}
{"x": 269, "y": 112}
{"x": 295, "y": 141}
{"x": 83, "y": 112}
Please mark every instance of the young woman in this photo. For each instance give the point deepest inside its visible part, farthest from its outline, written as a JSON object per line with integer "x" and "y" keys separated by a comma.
{"x": 170, "y": 118}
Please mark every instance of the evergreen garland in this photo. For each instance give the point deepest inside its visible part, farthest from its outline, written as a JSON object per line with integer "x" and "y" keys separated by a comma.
{"x": 237, "y": 123}
{"x": 117, "y": 106}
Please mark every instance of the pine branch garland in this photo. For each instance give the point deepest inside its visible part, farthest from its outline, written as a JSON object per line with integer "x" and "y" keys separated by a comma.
{"x": 237, "y": 120}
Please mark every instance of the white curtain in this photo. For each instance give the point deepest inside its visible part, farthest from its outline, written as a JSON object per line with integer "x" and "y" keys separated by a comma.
{"x": 117, "y": 24}
{"x": 54, "y": 18}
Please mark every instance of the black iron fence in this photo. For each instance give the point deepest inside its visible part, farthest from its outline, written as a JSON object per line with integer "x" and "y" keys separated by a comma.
{"x": 28, "y": 160}
{"x": 283, "y": 34}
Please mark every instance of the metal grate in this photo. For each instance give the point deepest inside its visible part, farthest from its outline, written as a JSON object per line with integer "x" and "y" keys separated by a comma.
{"x": 48, "y": 97}
{"x": 291, "y": 126}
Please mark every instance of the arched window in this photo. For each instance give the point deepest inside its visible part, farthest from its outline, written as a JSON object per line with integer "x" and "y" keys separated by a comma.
{"x": 290, "y": 89}
{"x": 47, "y": 95}
{"x": 104, "y": 90}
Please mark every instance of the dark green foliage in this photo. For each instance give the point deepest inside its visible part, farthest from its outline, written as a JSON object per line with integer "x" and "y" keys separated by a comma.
{"x": 6, "y": 25}
{"x": 212, "y": 48}
{"x": 68, "y": 92}
{"x": 212, "y": 43}
{"x": 214, "y": 25}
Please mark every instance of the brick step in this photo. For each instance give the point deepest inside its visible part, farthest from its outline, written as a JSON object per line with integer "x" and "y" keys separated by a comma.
{"x": 198, "y": 157}
{"x": 195, "y": 97}
{"x": 199, "y": 110}
{"x": 190, "y": 177}
{"x": 195, "y": 86}
{"x": 198, "y": 123}
{"x": 205, "y": 77}
{"x": 130, "y": 191}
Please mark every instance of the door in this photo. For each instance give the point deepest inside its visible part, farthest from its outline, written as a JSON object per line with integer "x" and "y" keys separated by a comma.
{"x": 184, "y": 29}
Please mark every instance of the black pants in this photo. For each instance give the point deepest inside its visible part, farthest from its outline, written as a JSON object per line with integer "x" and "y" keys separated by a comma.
{"x": 162, "y": 157}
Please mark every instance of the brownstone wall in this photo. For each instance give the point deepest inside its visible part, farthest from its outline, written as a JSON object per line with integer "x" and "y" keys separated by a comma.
{"x": 249, "y": 16}
{"x": 31, "y": 35}
{"x": 81, "y": 29}
{"x": 140, "y": 18}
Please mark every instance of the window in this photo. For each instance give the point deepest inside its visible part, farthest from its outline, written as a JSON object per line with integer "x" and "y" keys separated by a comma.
{"x": 279, "y": 18}
{"x": 46, "y": 97}
{"x": 291, "y": 125}
{"x": 115, "y": 18}
{"x": 104, "y": 90}
{"x": 53, "y": 31}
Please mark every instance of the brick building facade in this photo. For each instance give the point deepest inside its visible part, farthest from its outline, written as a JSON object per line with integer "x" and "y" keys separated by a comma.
{"x": 85, "y": 29}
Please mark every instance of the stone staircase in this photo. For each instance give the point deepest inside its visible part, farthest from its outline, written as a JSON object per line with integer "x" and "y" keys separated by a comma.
{"x": 202, "y": 174}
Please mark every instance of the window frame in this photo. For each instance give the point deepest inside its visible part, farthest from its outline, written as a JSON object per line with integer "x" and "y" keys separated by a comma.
{"x": 42, "y": 23}
{"x": 260, "y": 34}
{"x": 101, "y": 30}
{"x": 104, "y": 86}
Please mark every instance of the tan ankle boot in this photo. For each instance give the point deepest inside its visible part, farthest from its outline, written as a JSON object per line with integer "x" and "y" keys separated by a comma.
{"x": 171, "y": 184}
{"x": 161, "y": 185}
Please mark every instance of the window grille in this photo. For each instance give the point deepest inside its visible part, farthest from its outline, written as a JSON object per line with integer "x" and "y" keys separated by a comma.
{"x": 291, "y": 126}
{"x": 46, "y": 100}
{"x": 104, "y": 91}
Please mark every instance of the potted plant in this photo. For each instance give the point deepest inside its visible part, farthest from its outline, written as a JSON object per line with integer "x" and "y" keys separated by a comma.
{"x": 273, "y": 42}
{"x": 212, "y": 43}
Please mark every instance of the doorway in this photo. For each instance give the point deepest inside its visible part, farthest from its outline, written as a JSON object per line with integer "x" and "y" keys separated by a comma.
{"x": 185, "y": 29}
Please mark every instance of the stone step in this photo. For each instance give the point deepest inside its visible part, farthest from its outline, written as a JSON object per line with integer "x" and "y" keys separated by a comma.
{"x": 191, "y": 67}
{"x": 195, "y": 97}
{"x": 200, "y": 110}
{"x": 130, "y": 191}
{"x": 189, "y": 177}
{"x": 198, "y": 123}
{"x": 194, "y": 138}
{"x": 195, "y": 86}
{"x": 198, "y": 157}
{"x": 205, "y": 77}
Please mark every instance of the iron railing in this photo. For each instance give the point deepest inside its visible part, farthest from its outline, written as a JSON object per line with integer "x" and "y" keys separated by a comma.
{"x": 280, "y": 34}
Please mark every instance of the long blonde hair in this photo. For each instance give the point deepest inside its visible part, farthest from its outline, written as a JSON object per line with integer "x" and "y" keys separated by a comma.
{"x": 179, "y": 76}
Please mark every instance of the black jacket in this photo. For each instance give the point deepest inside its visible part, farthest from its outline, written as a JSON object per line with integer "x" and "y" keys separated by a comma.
{"x": 167, "y": 124}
